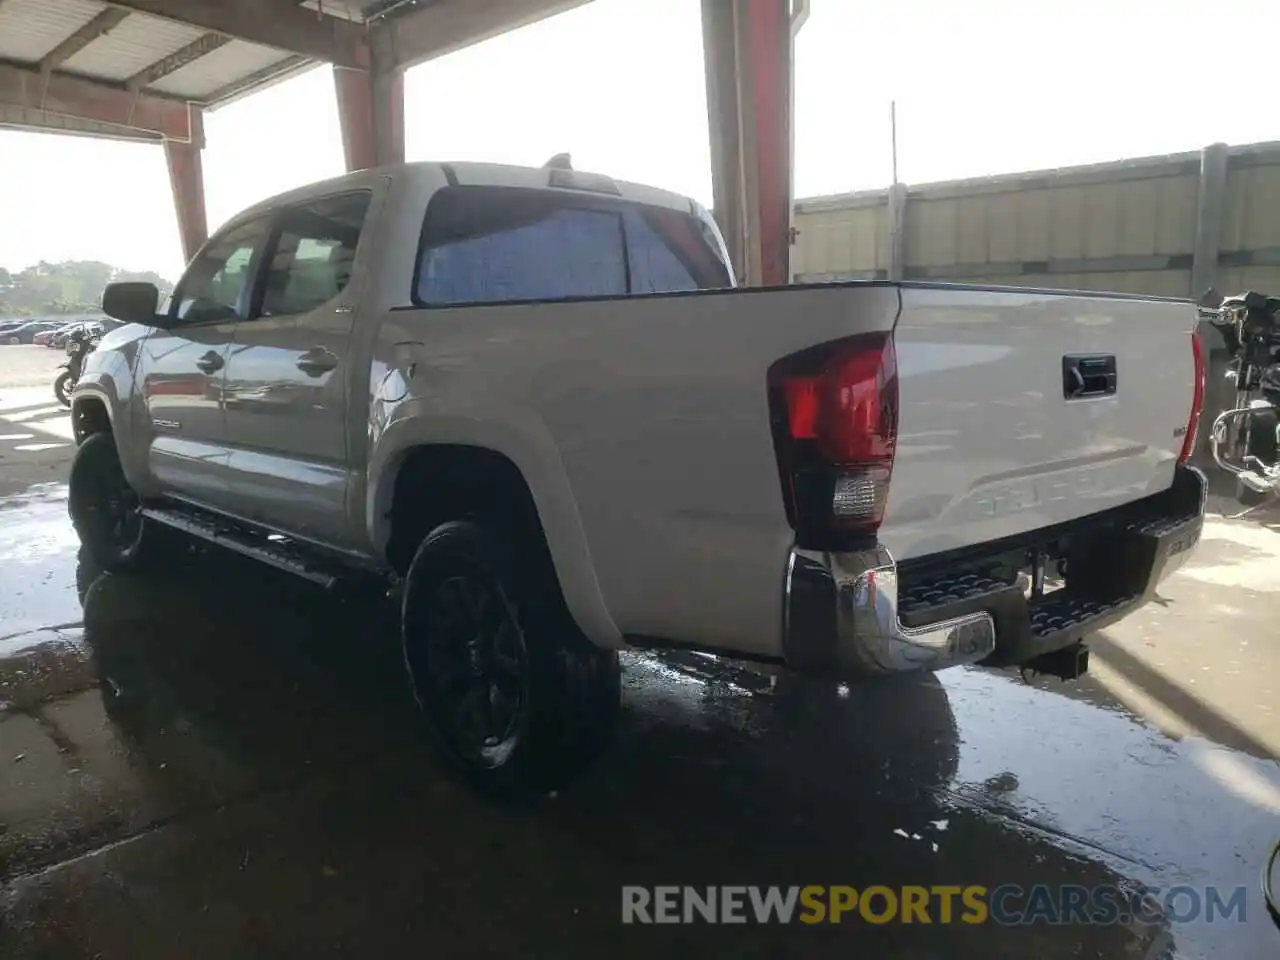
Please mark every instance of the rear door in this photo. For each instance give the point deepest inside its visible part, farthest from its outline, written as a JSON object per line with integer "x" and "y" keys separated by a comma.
{"x": 288, "y": 372}
{"x": 181, "y": 370}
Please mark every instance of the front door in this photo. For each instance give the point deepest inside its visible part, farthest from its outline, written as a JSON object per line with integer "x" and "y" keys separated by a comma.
{"x": 181, "y": 370}
{"x": 288, "y": 373}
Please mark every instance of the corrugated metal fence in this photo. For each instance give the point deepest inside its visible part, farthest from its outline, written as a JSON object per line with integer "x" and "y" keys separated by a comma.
{"x": 1166, "y": 226}
{"x": 1169, "y": 226}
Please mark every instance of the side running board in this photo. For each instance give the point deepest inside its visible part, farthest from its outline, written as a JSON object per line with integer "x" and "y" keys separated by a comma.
{"x": 279, "y": 553}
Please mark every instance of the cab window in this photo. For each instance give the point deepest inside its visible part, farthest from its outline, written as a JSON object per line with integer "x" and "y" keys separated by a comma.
{"x": 495, "y": 245}
{"x": 504, "y": 244}
{"x": 216, "y": 286}
{"x": 314, "y": 252}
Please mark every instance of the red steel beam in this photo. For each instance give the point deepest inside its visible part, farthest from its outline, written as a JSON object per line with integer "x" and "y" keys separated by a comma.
{"x": 273, "y": 23}
{"x": 371, "y": 108}
{"x": 767, "y": 35}
{"x": 444, "y": 26}
{"x": 84, "y": 99}
{"x": 202, "y": 46}
{"x": 355, "y": 118}
{"x": 747, "y": 51}
{"x": 371, "y": 116}
{"x": 724, "y": 126}
{"x": 186, "y": 179}
{"x": 102, "y": 24}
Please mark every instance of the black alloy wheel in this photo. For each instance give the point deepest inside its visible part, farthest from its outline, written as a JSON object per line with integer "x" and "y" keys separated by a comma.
{"x": 474, "y": 666}
{"x": 518, "y": 700}
{"x": 107, "y": 512}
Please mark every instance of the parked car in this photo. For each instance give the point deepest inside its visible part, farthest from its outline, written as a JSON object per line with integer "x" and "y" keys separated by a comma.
{"x": 45, "y": 337}
{"x": 26, "y": 333}
{"x": 533, "y": 402}
{"x": 58, "y": 338}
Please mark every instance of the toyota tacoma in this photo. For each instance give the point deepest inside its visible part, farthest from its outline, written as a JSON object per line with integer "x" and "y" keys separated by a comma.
{"x": 534, "y": 400}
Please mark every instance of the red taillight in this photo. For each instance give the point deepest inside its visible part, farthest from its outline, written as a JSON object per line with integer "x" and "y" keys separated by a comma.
{"x": 1197, "y": 399}
{"x": 802, "y": 406}
{"x": 835, "y": 410}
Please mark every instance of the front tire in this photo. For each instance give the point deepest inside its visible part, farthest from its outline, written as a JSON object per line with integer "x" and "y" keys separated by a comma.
{"x": 518, "y": 699}
{"x": 107, "y": 513}
{"x": 62, "y": 388}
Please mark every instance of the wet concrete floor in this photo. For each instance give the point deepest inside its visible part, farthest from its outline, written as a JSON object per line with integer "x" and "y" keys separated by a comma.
{"x": 222, "y": 762}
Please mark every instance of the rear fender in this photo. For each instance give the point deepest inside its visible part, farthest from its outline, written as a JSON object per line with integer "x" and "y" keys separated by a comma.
{"x": 525, "y": 441}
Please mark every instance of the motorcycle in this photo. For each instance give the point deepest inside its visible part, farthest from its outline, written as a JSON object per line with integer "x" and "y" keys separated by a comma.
{"x": 79, "y": 345}
{"x": 1245, "y": 440}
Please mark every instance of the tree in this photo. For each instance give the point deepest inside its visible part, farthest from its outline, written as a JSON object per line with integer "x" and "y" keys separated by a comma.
{"x": 145, "y": 276}
{"x": 91, "y": 276}
{"x": 73, "y": 286}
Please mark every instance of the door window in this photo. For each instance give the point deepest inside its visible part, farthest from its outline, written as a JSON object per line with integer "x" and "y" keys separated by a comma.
{"x": 487, "y": 245}
{"x": 216, "y": 285}
{"x": 312, "y": 258}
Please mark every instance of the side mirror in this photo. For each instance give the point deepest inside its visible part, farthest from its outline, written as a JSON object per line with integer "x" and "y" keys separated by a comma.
{"x": 132, "y": 301}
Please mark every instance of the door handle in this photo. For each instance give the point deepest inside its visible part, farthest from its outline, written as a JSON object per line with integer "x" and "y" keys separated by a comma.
{"x": 211, "y": 362}
{"x": 317, "y": 361}
{"x": 1088, "y": 375}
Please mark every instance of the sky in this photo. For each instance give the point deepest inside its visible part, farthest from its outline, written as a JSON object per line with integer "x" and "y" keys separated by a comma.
{"x": 981, "y": 87}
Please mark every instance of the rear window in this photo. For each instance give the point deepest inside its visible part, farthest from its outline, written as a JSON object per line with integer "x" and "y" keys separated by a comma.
{"x": 504, "y": 244}
{"x": 671, "y": 251}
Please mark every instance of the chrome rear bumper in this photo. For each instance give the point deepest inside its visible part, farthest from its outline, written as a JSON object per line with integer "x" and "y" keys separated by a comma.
{"x": 863, "y": 634}
{"x": 847, "y": 615}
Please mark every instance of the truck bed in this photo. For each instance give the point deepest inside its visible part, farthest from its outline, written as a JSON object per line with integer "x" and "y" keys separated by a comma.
{"x": 654, "y": 411}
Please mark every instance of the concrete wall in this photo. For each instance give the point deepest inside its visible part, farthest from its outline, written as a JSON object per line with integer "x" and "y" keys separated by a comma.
{"x": 1169, "y": 226}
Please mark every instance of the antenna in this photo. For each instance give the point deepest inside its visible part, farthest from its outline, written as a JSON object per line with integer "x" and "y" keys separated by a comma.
{"x": 893, "y": 136}
{"x": 560, "y": 161}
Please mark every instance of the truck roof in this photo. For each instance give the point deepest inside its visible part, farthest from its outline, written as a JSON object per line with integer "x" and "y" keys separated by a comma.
{"x": 473, "y": 173}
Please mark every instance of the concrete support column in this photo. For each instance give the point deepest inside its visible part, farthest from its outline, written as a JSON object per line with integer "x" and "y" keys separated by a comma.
{"x": 747, "y": 46}
{"x": 718, "y": 58}
{"x": 1220, "y": 392}
{"x": 186, "y": 180}
{"x": 1210, "y": 209}
{"x": 371, "y": 108}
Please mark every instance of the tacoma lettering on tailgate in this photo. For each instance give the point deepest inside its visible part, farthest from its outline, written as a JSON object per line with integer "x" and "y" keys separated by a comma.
{"x": 1030, "y": 493}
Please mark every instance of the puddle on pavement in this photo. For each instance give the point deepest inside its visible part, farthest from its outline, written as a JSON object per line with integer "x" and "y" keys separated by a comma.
{"x": 197, "y": 701}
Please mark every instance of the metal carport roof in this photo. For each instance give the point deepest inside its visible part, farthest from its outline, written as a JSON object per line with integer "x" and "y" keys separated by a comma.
{"x": 131, "y": 68}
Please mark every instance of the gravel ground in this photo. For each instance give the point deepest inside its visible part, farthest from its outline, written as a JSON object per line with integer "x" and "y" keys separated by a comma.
{"x": 35, "y": 430}
{"x": 29, "y": 366}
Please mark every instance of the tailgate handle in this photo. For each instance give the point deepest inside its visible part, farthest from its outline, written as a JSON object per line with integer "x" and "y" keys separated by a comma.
{"x": 1087, "y": 375}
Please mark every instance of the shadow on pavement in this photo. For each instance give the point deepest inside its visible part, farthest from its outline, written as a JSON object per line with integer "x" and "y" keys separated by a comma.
{"x": 1197, "y": 714}
{"x": 250, "y": 781}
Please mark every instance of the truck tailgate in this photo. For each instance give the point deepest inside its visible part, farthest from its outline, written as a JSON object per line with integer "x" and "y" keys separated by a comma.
{"x": 997, "y": 433}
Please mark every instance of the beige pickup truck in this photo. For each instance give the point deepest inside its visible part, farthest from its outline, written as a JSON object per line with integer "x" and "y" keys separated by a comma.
{"x": 534, "y": 399}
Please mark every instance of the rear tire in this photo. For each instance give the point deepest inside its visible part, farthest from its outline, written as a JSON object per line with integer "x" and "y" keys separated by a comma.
{"x": 107, "y": 513}
{"x": 61, "y": 388}
{"x": 519, "y": 701}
